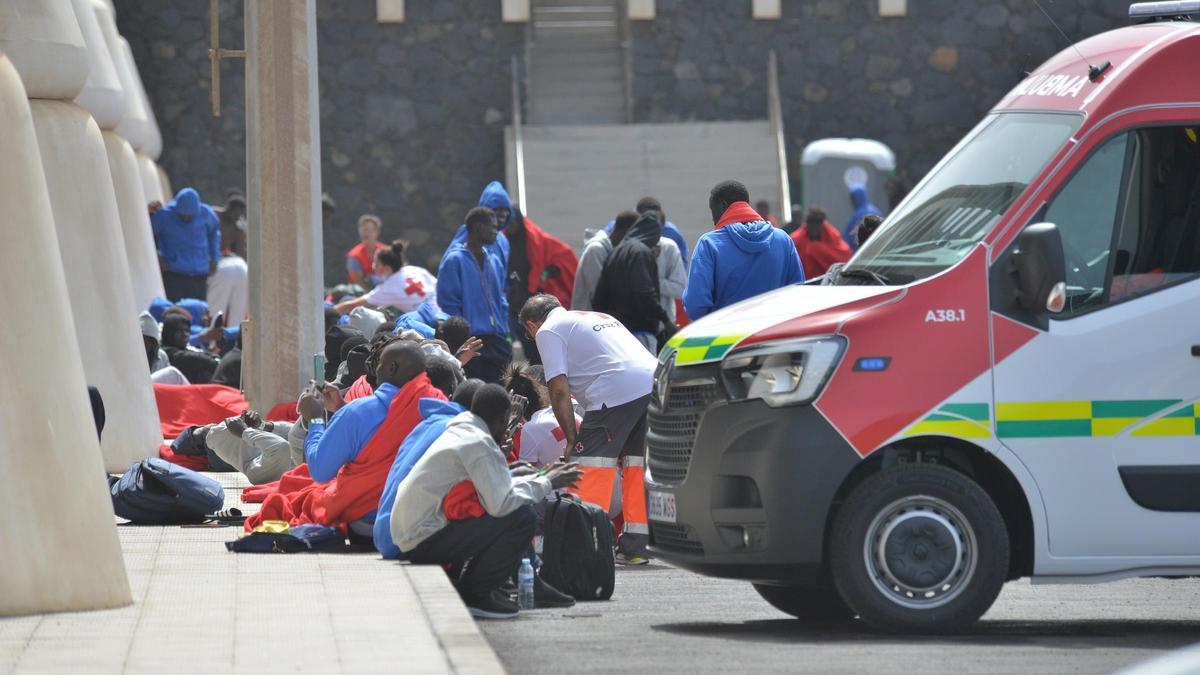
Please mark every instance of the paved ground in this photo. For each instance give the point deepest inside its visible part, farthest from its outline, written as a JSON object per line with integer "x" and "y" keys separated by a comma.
{"x": 199, "y": 608}
{"x": 665, "y": 620}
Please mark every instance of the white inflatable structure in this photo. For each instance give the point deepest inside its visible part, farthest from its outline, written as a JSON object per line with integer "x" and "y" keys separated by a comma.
{"x": 59, "y": 545}
{"x": 126, "y": 176}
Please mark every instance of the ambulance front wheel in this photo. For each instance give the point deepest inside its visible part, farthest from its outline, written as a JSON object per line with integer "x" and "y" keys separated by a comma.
{"x": 919, "y": 548}
{"x": 807, "y": 603}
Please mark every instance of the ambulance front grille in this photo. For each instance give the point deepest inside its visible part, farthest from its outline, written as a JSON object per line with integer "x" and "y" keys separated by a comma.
{"x": 672, "y": 431}
{"x": 677, "y": 538}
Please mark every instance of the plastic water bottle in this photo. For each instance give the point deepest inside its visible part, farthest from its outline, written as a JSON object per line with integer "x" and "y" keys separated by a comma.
{"x": 525, "y": 585}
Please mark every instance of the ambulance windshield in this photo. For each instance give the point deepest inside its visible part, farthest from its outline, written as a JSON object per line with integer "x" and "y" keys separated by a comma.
{"x": 963, "y": 198}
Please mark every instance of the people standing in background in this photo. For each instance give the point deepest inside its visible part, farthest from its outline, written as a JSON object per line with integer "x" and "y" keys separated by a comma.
{"x": 232, "y": 217}
{"x": 670, "y": 231}
{"x": 471, "y": 284}
{"x": 538, "y": 263}
{"x": 229, "y": 287}
{"x": 819, "y": 243}
{"x": 862, "y": 208}
{"x": 764, "y": 209}
{"x": 595, "y": 254}
{"x": 740, "y": 258}
{"x": 494, "y": 197}
{"x": 360, "y": 260}
{"x": 629, "y": 284}
{"x": 188, "y": 237}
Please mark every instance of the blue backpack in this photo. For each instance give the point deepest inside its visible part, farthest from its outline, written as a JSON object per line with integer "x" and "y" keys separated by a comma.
{"x": 157, "y": 492}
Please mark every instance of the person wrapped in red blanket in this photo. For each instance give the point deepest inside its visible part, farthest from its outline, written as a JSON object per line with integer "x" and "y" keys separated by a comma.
{"x": 348, "y": 459}
{"x": 819, "y": 244}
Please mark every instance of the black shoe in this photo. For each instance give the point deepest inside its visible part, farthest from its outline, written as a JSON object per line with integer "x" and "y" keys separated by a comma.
{"x": 509, "y": 588}
{"x": 494, "y": 605}
{"x": 546, "y": 596}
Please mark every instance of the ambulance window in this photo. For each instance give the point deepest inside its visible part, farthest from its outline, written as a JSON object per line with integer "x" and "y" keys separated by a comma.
{"x": 1085, "y": 211}
{"x": 1158, "y": 242}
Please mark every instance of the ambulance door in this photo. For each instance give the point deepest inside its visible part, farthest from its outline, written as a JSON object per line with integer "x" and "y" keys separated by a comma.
{"x": 1099, "y": 404}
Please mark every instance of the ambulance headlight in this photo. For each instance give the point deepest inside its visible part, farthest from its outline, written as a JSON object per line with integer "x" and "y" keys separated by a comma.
{"x": 784, "y": 373}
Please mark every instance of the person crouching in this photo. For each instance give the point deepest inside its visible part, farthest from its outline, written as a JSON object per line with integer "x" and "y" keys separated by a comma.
{"x": 494, "y": 543}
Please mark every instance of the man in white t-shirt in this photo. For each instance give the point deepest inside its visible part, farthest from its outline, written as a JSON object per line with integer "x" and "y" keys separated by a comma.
{"x": 592, "y": 357}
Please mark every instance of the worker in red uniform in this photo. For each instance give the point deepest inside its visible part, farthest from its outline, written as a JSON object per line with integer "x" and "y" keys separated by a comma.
{"x": 360, "y": 261}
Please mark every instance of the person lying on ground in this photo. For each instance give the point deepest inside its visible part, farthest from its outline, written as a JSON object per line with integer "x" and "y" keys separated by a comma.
{"x": 494, "y": 543}
{"x": 261, "y": 450}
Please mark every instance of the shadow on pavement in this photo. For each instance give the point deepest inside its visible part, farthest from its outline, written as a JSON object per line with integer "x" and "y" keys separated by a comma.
{"x": 1051, "y": 634}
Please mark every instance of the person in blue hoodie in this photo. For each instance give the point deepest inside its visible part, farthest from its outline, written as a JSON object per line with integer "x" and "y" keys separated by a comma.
{"x": 862, "y": 208}
{"x": 494, "y": 197}
{"x": 742, "y": 257}
{"x": 435, "y": 415}
{"x": 187, "y": 234}
{"x": 472, "y": 284}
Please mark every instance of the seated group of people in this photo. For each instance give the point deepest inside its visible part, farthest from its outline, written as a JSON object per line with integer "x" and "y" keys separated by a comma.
{"x": 403, "y": 451}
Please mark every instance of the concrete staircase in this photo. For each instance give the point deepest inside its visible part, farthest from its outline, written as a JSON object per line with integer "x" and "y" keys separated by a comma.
{"x": 581, "y": 176}
{"x": 576, "y": 63}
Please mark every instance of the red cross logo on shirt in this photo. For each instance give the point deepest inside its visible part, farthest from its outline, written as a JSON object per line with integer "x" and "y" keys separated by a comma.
{"x": 414, "y": 287}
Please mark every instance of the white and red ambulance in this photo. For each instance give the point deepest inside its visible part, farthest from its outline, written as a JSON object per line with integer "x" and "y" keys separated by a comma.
{"x": 1002, "y": 383}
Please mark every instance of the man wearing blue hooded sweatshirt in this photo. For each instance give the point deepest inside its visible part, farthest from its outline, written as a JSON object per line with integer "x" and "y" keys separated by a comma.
{"x": 862, "y": 208}
{"x": 471, "y": 284}
{"x": 187, "y": 234}
{"x": 742, "y": 257}
{"x": 494, "y": 197}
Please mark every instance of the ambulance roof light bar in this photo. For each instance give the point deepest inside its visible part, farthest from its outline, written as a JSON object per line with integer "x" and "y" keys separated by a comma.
{"x": 1164, "y": 9}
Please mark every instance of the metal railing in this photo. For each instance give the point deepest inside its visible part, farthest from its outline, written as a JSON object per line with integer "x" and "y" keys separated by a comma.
{"x": 518, "y": 142}
{"x": 775, "y": 115}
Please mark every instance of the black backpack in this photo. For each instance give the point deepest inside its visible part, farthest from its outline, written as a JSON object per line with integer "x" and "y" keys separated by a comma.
{"x": 157, "y": 492}
{"x": 577, "y": 550}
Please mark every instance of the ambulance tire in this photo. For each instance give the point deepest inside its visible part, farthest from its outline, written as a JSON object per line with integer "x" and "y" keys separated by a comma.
{"x": 919, "y": 548}
{"x": 807, "y": 603}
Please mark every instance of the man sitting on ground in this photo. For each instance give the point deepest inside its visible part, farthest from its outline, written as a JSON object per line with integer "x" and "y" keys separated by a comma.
{"x": 495, "y": 542}
{"x": 348, "y": 458}
{"x": 435, "y": 415}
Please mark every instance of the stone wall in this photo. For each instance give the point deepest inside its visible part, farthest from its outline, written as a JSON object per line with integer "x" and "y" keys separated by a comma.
{"x": 917, "y": 83}
{"x": 412, "y": 114}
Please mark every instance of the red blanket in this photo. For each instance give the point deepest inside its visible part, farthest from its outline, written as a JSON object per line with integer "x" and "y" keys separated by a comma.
{"x": 816, "y": 255}
{"x": 284, "y": 412}
{"x": 193, "y": 462}
{"x": 356, "y": 489}
{"x": 183, "y": 405}
{"x": 544, "y": 250}
{"x": 359, "y": 389}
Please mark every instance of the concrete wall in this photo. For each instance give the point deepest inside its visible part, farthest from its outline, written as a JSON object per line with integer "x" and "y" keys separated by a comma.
{"x": 412, "y": 114}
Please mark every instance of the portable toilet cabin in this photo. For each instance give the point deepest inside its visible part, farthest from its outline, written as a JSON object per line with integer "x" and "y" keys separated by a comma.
{"x": 829, "y": 167}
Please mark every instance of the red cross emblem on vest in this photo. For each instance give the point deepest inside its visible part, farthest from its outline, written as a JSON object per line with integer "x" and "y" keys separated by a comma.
{"x": 414, "y": 287}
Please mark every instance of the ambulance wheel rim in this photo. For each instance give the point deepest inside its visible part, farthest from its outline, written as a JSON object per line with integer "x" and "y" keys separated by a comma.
{"x": 920, "y": 552}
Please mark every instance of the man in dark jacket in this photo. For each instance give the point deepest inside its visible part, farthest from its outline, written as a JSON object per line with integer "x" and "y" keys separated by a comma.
{"x": 628, "y": 287}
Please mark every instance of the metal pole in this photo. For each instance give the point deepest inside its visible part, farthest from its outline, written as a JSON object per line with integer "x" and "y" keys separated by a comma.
{"x": 518, "y": 141}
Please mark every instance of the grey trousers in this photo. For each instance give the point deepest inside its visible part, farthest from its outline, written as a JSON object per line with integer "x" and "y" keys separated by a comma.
{"x": 263, "y": 456}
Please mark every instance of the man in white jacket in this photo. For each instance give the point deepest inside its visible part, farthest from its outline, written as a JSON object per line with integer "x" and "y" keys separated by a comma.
{"x": 482, "y": 552}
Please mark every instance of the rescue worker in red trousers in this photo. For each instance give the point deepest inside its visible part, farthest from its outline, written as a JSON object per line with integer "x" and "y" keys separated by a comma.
{"x": 592, "y": 357}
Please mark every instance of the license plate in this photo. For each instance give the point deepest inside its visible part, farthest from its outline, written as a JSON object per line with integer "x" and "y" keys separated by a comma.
{"x": 661, "y": 506}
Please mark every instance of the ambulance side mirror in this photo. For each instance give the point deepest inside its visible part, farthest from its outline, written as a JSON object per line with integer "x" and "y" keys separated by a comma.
{"x": 1041, "y": 269}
